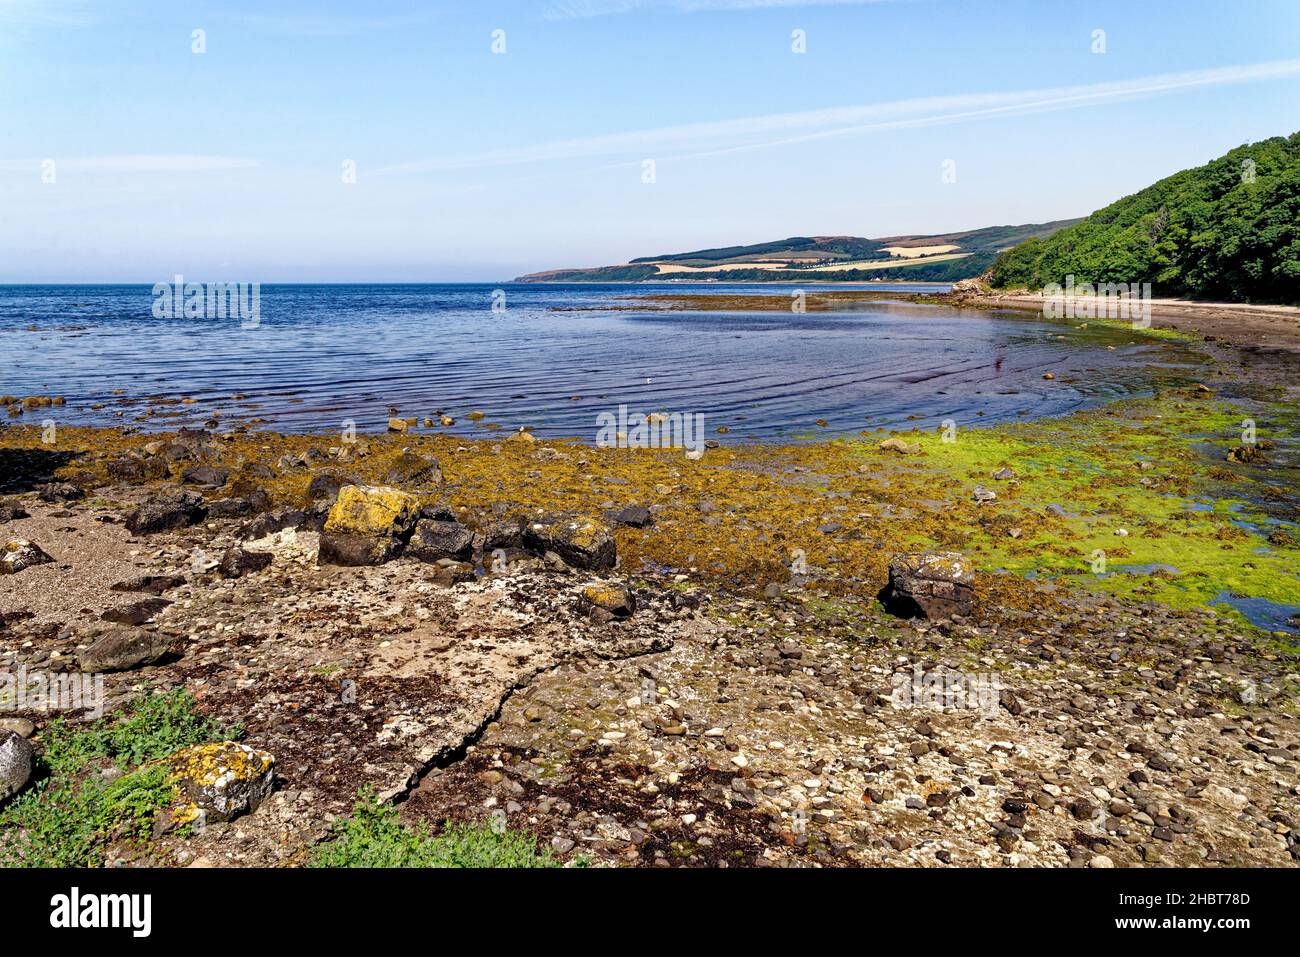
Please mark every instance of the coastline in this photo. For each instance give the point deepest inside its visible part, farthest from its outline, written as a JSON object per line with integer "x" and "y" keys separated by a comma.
{"x": 747, "y": 587}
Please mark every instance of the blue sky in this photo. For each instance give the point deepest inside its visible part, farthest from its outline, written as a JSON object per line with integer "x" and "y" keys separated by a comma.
{"x": 478, "y": 166}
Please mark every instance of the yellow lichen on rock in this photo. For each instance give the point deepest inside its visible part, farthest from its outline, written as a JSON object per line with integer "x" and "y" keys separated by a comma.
{"x": 371, "y": 510}
{"x": 219, "y": 781}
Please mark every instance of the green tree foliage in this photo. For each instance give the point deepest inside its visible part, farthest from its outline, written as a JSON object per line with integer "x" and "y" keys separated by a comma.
{"x": 1228, "y": 230}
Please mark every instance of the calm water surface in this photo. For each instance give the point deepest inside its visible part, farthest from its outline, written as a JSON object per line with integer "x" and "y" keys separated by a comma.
{"x": 324, "y": 354}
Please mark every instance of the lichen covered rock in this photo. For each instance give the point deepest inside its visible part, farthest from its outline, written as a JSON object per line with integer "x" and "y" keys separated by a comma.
{"x": 219, "y": 782}
{"x": 19, "y": 554}
{"x": 614, "y": 600}
{"x": 367, "y": 525}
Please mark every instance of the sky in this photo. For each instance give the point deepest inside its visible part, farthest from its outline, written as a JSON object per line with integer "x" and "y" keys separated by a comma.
{"x": 390, "y": 141}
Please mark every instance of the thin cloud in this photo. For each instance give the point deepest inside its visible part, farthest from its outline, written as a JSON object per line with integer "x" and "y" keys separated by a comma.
{"x": 763, "y": 132}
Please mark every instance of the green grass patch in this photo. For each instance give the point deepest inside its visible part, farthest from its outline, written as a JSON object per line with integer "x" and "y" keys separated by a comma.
{"x": 73, "y": 812}
{"x": 374, "y": 837}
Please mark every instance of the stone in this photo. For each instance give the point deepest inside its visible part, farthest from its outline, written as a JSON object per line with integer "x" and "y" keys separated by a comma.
{"x": 615, "y": 599}
{"x": 19, "y": 726}
{"x": 123, "y": 649}
{"x": 60, "y": 492}
{"x": 268, "y": 523}
{"x": 150, "y": 584}
{"x": 207, "y": 476}
{"x": 982, "y": 494}
{"x": 368, "y": 525}
{"x": 11, "y": 512}
{"x": 581, "y": 541}
{"x": 899, "y": 446}
{"x": 137, "y": 612}
{"x": 15, "y": 764}
{"x": 1004, "y": 474}
{"x": 238, "y": 507}
{"x": 236, "y": 562}
{"x": 409, "y": 469}
{"x": 172, "y": 508}
{"x": 634, "y": 516}
{"x": 435, "y": 539}
{"x": 219, "y": 782}
{"x": 325, "y": 486}
{"x": 932, "y": 585}
{"x": 20, "y": 554}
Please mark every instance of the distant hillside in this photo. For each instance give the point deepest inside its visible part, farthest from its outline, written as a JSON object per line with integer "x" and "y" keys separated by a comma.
{"x": 1228, "y": 230}
{"x": 942, "y": 258}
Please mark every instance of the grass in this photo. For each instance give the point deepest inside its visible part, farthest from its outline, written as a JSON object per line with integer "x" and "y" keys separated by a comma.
{"x": 374, "y": 837}
{"x": 73, "y": 813}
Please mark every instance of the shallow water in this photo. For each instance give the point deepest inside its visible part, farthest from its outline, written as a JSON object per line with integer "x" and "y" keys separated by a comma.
{"x": 321, "y": 355}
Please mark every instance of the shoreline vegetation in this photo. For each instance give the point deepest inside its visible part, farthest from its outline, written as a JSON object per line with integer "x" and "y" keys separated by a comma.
{"x": 525, "y": 651}
{"x": 1227, "y": 231}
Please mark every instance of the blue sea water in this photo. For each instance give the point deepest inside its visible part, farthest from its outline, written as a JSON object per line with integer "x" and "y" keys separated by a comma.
{"x": 554, "y": 359}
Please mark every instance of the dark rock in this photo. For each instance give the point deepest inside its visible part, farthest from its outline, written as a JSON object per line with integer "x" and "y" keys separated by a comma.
{"x": 207, "y": 476}
{"x": 152, "y": 584}
{"x": 581, "y": 542}
{"x": 233, "y": 507}
{"x": 11, "y": 512}
{"x": 935, "y": 585}
{"x": 132, "y": 469}
{"x": 123, "y": 649}
{"x": 635, "y": 516}
{"x": 60, "y": 492}
{"x": 238, "y": 562}
{"x": 137, "y": 612}
{"x": 503, "y": 534}
{"x": 410, "y": 469}
{"x": 325, "y": 487}
{"x": 268, "y": 523}
{"x": 172, "y": 508}
{"x": 433, "y": 540}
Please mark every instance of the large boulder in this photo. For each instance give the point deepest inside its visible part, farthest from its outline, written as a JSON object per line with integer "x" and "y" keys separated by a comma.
{"x": 581, "y": 541}
{"x": 219, "y": 782}
{"x": 435, "y": 539}
{"x": 171, "y": 508}
{"x": 933, "y": 585}
{"x": 367, "y": 525}
{"x": 15, "y": 764}
{"x": 123, "y": 649}
{"x": 19, "y": 554}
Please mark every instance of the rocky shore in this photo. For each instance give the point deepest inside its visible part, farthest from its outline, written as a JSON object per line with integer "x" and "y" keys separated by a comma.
{"x": 888, "y": 651}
